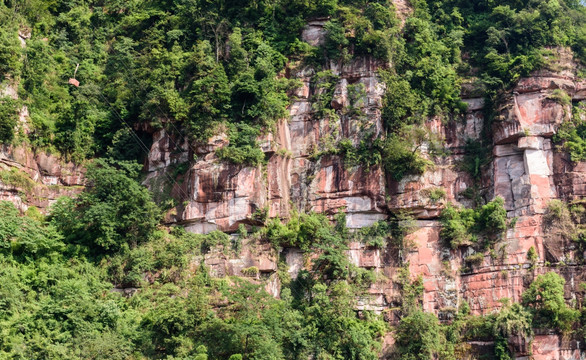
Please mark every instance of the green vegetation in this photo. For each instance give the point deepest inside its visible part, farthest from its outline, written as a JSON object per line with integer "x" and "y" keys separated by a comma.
{"x": 421, "y": 336}
{"x": 66, "y": 282}
{"x": 200, "y": 68}
{"x": 18, "y": 179}
{"x": 545, "y": 299}
{"x": 8, "y": 119}
{"x": 418, "y": 336}
{"x": 101, "y": 278}
{"x": 505, "y": 38}
{"x": 572, "y": 134}
{"x": 566, "y": 220}
{"x": 437, "y": 194}
{"x": 243, "y": 148}
{"x": 114, "y": 213}
{"x": 476, "y": 156}
{"x": 480, "y": 227}
{"x": 399, "y": 154}
{"x": 532, "y": 257}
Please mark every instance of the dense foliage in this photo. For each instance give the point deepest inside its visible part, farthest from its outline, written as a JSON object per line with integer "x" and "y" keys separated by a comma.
{"x": 114, "y": 212}
{"x": 420, "y": 336}
{"x": 483, "y": 225}
{"x": 200, "y": 68}
{"x": 545, "y": 298}
{"x": 101, "y": 278}
{"x": 63, "y": 286}
{"x": 571, "y": 135}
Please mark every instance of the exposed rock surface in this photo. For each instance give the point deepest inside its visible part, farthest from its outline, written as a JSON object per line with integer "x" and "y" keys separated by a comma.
{"x": 525, "y": 170}
{"x": 36, "y": 179}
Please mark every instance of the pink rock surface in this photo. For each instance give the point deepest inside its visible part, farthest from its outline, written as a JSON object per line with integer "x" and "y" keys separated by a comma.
{"x": 525, "y": 170}
{"x": 48, "y": 178}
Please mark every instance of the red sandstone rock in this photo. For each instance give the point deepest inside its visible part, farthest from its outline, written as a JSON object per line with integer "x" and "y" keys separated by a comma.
{"x": 526, "y": 170}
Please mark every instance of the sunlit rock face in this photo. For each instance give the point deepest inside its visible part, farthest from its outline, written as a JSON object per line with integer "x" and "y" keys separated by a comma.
{"x": 525, "y": 169}
{"x": 42, "y": 178}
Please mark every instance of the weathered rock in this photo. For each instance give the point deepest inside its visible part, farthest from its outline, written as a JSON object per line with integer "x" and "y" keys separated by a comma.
{"x": 45, "y": 178}
{"x": 222, "y": 196}
{"x": 314, "y": 32}
{"x": 302, "y": 173}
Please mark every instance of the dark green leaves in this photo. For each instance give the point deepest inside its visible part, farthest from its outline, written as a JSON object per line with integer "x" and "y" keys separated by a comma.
{"x": 8, "y": 119}
{"x": 114, "y": 213}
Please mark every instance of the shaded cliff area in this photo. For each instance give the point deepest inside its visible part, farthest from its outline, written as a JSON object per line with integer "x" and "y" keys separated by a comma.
{"x": 335, "y": 180}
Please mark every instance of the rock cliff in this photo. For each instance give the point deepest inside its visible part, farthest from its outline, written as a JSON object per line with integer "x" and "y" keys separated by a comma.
{"x": 525, "y": 169}
{"x": 29, "y": 178}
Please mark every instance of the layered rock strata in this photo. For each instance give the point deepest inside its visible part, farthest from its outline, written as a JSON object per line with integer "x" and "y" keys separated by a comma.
{"x": 525, "y": 170}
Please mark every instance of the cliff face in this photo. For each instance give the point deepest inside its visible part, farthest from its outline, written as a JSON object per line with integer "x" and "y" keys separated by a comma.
{"x": 29, "y": 178}
{"x": 525, "y": 170}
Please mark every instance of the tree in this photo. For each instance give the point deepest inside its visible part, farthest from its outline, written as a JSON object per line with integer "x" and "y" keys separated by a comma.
{"x": 208, "y": 93}
{"x": 113, "y": 213}
{"x": 545, "y": 298}
{"x": 511, "y": 321}
{"x": 418, "y": 336}
{"x": 26, "y": 237}
{"x": 8, "y": 119}
{"x": 9, "y": 48}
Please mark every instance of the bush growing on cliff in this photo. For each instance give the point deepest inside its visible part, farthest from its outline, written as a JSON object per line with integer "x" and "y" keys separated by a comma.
{"x": 418, "y": 336}
{"x": 8, "y": 119}
{"x": 25, "y": 237}
{"x": 470, "y": 226}
{"x": 512, "y": 320}
{"x": 505, "y": 37}
{"x": 572, "y": 134}
{"x": 545, "y": 299}
{"x": 301, "y": 230}
{"x": 203, "y": 64}
{"x": 401, "y": 156}
{"x": 476, "y": 156}
{"x": 9, "y": 47}
{"x": 243, "y": 148}
{"x": 566, "y": 221}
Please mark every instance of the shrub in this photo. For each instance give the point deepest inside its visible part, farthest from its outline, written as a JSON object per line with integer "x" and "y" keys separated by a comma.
{"x": 571, "y": 134}
{"x": 243, "y": 148}
{"x": 113, "y": 213}
{"x": 532, "y": 256}
{"x": 436, "y": 194}
{"x": 560, "y": 221}
{"x": 401, "y": 158}
{"x": 474, "y": 259}
{"x": 8, "y": 119}
{"x": 511, "y": 321}
{"x": 457, "y": 225}
{"x": 374, "y": 235}
{"x": 302, "y": 230}
{"x": 560, "y": 97}
{"x": 250, "y": 271}
{"x": 418, "y": 336}
{"x": 476, "y": 156}
{"x": 9, "y": 51}
{"x": 324, "y": 84}
{"x": 468, "y": 226}
{"x": 18, "y": 179}
{"x": 214, "y": 239}
{"x": 23, "y": 236}
{"x": 545, "y": 298}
